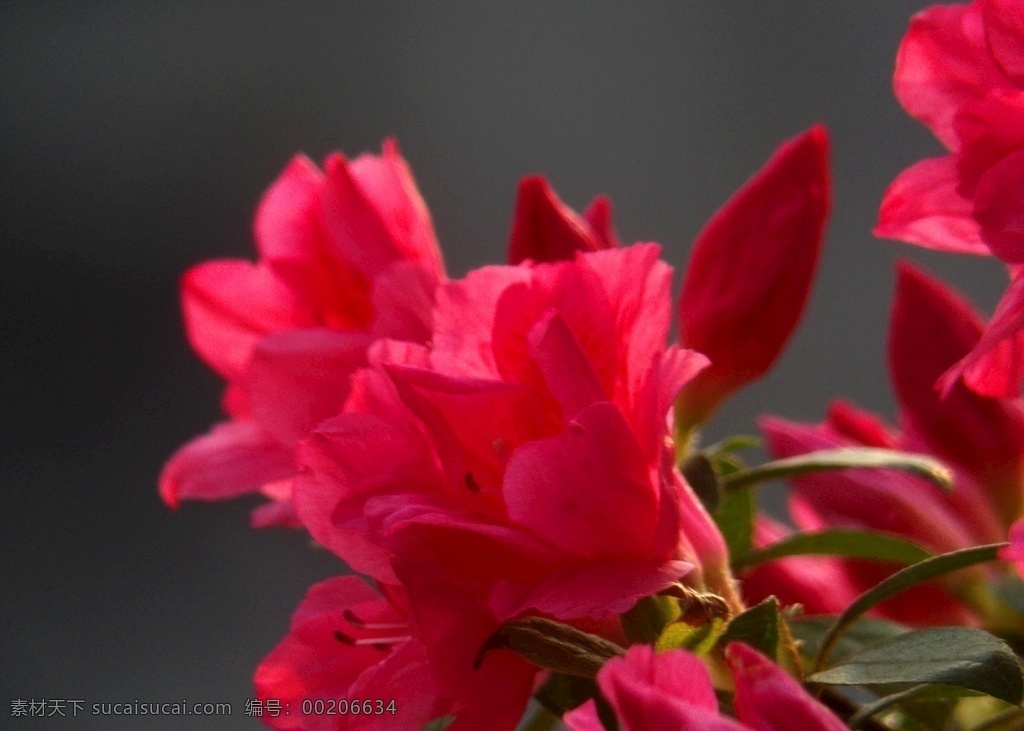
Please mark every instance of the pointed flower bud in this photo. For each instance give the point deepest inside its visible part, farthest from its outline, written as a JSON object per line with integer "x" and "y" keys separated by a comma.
{"x": 750, "y": 272}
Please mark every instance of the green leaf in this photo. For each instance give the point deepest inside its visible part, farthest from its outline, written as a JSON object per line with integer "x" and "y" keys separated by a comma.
{"x": 735, "y": 443}
{"x": 862, "y": 632}
{"x": 646, "y": 620}
{"x": 961, "y": 656}
{"x": 900, "y": 581}
{"x": 552, "y": 645}
{"x": 844, "y": 459}
{"x": 944, "y": 696}
{"x": 562, "y": 693}
{"x": 439, "y": 724}
{"x": 735, "y": 519}
{"x": 757, "y": 627}
{"x": 848, "y": 543}
{"x": 700, "y": 474}
{"x": 699, "y": 638}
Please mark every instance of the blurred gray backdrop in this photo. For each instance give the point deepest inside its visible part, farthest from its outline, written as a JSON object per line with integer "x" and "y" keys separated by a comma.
{"x": 135, "y": 140}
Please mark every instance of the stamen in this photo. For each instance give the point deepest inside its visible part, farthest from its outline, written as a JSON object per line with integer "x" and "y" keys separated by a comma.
{"x": 377, "y": 643}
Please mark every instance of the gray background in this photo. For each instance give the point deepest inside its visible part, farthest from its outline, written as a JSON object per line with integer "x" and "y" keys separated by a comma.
{"x": 135, "y": 140}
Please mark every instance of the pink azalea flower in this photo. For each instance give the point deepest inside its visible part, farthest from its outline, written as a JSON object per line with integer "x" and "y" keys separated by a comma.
{"x": 345, "y": 256}
{"x": 526, "y": 451}
{"x": 673, "y": 690}
{"x": 750, "y": 272}
{"x": 981, "y": 438}
{"x": 960, "y": 70}
{"x": 348, "y": 643}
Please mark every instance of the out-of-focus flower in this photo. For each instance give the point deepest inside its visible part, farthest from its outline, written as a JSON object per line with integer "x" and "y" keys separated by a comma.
{"x": 673, "y": 690}
{"x": 545, "y": 229}
{"x": 526, "y": 451}
{"x": 750, "y": 273}
{"x": 960, "y": 70}
{"x": 345, "y": 256}
{"x": 1015, "y": 551}
{"x": 981, "y": 438}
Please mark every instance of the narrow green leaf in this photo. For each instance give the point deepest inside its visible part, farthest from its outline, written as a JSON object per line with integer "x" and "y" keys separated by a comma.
{"x": 848, "y": 543}
{"x": 735, "y": 443}
{"x": 862, "y": 632}
{"x": 757, "y": 627}
{"x": 552, "y": 645}
{"x": 960, "y": 656}
{"x": 735, "y": 519}
{"x": 900, "y": 581}
{"x": 844, "y": 459}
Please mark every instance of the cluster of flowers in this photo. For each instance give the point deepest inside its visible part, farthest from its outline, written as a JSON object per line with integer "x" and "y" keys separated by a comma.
{"x": 511, "y": 463}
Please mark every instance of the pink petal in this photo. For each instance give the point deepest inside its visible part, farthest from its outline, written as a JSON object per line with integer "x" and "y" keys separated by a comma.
{"x": 298, "y": 378}
{"x": 751, "y": 270}
{"x": 403, "y": 675}
{"x": 995, "y": 366}
{"x": 564, "y": 365}
{"x": 1015, "y": 551}
{"x": 931, "y": 328}
{"x": 922, "y": 206}
{"x": 1004, "y": 27}
{"x": 292, "y": 239}
{"x": 943, "y": 63}
{"x": 229, "y": 305}
{"x": 490, "y": 696}
{"x": 599, "y": 216}
{"x": 375, "y": 215}
{"x": 311, "y": 663}
{"x": 999, "y": 207}
{"x": 670, "y": 690}
{"x": 403, "y": 299}
{"x": 860, "y": 426}
{"x": 475, "y": 423}
{"x": 544, "y": 228}
{"x": 348, "y": 460}
{"x": 637, "y": 286}
{"x": 232, "y": 459}
{"x": 587, "y": 489}
{"x": 594, "y": 590}
{"x": 769, "y": 699}
{"x": 464, "y": 320}
{"x": 989, "y": 129}
{"x": 670, "y": 371}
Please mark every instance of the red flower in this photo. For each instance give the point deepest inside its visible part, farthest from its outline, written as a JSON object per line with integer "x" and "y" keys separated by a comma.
{"x": 960, "y": 70}
{"x": 345, "y": 256}
{"x": 750, "y": 272}
{"x": 545, "y": 229}
{"x": 981, "y": 438}
{"x": 526, "y": 452}
{"x": 673, "y": 690}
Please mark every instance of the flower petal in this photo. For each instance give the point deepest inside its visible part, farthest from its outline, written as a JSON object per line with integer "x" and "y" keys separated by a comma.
{"x": 544, "y": 228}
{"x": 751, "y": 269}
{"x": 769, "y": 699}
{"x": 923, "y": 206}
{"x": 232, "y": 459}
